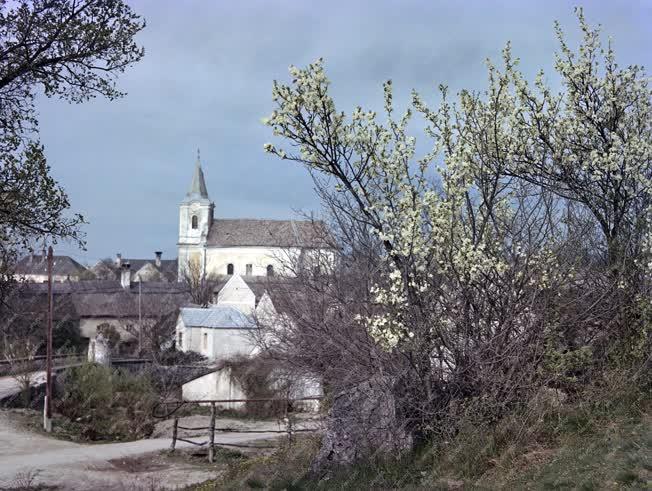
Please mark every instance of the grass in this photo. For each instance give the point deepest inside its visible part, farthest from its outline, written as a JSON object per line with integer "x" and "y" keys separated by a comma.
{"x": 618, "y": 456}
{"x": 601, "y": 441}
{"x": 62, "y": 428}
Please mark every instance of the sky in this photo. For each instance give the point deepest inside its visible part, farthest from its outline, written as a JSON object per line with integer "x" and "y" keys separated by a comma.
{"x": 205, "y": 82}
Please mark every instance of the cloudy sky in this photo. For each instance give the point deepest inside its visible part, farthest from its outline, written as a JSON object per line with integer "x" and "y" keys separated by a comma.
{"x": 206, "y": 78}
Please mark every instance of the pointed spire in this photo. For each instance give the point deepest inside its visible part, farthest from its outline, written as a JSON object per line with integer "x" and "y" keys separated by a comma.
{"x": 198, "y": 185}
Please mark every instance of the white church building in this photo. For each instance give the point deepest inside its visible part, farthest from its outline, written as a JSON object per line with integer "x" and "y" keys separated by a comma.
{"x": 247, "y": 247}
{"x": 241, "y": 254}
{"x": 246, "y": 257}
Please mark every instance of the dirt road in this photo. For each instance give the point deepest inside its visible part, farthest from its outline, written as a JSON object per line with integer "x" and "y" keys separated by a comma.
{"x": 73, "y": 466}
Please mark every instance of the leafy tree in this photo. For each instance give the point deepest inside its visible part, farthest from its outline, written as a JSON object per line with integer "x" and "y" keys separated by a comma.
{"x": 72, "y": 49}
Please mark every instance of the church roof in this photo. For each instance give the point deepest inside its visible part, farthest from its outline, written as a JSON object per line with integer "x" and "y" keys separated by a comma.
{"x": 198, "y": 185}
{"x": 268, "y": 233}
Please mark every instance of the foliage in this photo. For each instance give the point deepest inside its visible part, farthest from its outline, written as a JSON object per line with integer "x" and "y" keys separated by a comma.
{"x": 173, "y": 357}
{"x": 281, "y": 469}
{"x": 72, "y": 49}
{"x": 601, "y": 442}
{"x": 107, "y": 403}
{"x": 66, "y": 336}
{"x": 259, "y": 380}
{"x": 110, "y": 333}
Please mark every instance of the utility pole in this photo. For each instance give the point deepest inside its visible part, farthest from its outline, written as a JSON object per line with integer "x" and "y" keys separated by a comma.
{"x": 140, "y": 319}
{"x": 47, "y": 408}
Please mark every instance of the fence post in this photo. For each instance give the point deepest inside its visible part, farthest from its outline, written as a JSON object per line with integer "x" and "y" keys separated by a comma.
{"x": 174, "y": 433}
{"x": 288, "y": 417}
{"x": 211, "y": 444}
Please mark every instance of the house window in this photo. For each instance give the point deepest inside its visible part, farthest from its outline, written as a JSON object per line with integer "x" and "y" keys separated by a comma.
{"x": 194, "y": 221}
{"x": 270, "y": 270}
{"x": 180, "y": 340}
{"x": 229, "y": 268}
{"x": 248, "y": 268}
{"x": 205, "y": 341}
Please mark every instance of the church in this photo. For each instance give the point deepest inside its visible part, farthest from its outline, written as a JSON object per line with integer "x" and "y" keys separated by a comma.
{"x": 241, "y": 246}
{"x": 244, "y": 255}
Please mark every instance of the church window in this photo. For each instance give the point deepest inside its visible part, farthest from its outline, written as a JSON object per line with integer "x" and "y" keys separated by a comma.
{"x": 248, "y": 269}
{"x": 180, "y": 340}
{"x": 194, "y": 222}
{"x": 270, "y": 270}
{"x": 229, "y": 268}
{"x": 205, "y": 341}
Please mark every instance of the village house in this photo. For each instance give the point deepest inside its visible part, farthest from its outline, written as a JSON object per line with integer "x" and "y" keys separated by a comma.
{"x": 125, "y": 307}
{"x": 225, "y": 329}
{"x": 155, "y": 269}
{"x": 34, "y": 268}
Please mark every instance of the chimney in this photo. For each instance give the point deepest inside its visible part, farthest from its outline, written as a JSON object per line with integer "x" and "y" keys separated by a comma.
{"x": 158, "y": 258}
{"x": 125, "y": 276}
{"x": 118, "y": 260}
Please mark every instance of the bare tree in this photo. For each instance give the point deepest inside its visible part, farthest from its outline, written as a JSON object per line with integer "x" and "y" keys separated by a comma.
{"x": 200, "y": 285}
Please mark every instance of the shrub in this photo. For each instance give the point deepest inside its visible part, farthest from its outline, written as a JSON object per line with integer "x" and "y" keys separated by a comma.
{"x": 259, "y": 380}
{"x": 107, "y": 403}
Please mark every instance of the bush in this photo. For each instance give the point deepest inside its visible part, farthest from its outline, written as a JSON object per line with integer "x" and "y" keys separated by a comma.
{"x": 107, "y": 403}
{"x": 177, "y": 357}
{"x": 259, "y": 380}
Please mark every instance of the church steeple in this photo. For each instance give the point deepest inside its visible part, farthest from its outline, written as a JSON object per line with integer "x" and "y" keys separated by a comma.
{"x": 198, "y": 186}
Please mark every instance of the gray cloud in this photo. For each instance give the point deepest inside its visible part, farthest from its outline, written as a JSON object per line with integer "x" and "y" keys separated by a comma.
{"x": 206, "y": 82}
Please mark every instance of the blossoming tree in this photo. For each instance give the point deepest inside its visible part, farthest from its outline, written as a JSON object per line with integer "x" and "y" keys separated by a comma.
{"x": 481, "y": 236}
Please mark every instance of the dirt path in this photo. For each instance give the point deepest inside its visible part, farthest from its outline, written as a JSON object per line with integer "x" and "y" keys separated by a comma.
{"x": 74, "y": 466}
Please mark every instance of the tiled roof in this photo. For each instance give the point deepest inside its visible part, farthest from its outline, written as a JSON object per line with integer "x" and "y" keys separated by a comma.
{"x": 108, "y": 299}
{"x": 268, "y": 233}
{"x": 168, "y": 267}
{"x": 258, "y": 284}
{"x": 38, "y": 265}
{"x": 217, "y": 317}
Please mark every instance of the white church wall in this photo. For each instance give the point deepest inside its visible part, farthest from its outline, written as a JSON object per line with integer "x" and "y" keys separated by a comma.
{"x": 218, "y": 259}
{"x": 203, "y": 211}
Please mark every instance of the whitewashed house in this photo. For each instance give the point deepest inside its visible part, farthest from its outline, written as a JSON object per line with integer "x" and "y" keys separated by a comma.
{"x": 225, "y": 330}
{"x": 34, "y": 268}
{"x": 219, "y": 332}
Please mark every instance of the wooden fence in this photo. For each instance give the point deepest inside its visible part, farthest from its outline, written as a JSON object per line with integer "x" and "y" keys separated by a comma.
{"x": 211, "y": 429}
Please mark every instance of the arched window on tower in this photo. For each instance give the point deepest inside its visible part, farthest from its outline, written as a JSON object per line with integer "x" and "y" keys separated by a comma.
{"x": 194, "y": 222}
{"x": 229, "y": 268}
{"x": 270, "y": 270}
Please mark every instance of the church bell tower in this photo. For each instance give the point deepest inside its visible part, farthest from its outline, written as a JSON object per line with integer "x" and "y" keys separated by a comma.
{"x": 195, "y": 219}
